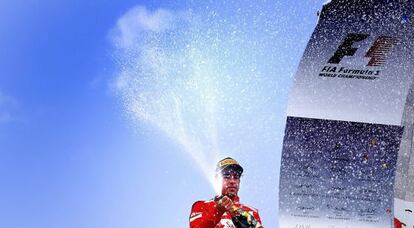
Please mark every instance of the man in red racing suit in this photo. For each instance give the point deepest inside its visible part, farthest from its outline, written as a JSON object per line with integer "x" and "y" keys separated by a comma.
{"x": 225, "y": 211}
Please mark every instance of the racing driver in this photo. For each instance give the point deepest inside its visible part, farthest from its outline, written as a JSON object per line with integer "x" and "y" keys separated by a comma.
{"x": 225, "y": 211}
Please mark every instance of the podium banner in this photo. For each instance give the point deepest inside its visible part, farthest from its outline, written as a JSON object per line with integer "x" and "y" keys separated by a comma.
{"x": 347, "y": 147}
{"x": 337, "y": 172}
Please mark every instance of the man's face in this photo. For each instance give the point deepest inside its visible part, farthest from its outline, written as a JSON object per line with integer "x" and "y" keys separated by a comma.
{"x": 231, "y": 183}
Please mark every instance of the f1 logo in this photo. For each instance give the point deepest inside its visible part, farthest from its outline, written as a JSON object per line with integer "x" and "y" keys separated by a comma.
{"x": 377, "y": 52}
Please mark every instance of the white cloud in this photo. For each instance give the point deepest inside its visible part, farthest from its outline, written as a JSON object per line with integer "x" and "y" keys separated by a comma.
{"x": 139, "y": 20}
{"x": 8, "y": 105}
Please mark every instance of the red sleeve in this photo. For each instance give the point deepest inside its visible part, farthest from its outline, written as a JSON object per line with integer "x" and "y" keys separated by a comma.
{"x": 257, "y": 217}
{"x": 204, "y": 215}
{"x": 397, "y": 223}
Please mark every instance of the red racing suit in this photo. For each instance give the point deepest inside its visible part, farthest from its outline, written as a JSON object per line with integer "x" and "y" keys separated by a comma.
{"x": 206, "y": 214}
{"x": 397, "y": 223}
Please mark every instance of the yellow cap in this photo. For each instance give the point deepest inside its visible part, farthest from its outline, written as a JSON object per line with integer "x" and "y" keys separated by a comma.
{"x": 228, "y": 163}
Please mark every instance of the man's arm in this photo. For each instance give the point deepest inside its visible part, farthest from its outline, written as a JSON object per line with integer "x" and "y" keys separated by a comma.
{"x": 257, "y": 217}
{"x": 205, "y": 215}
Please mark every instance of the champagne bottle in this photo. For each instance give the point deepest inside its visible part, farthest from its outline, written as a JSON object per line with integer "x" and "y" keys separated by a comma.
{"x": 242, "y": 218}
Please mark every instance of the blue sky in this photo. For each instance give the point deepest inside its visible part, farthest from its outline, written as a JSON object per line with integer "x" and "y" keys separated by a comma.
{"x": 73, "y": 153}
